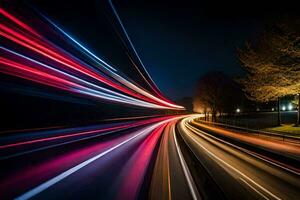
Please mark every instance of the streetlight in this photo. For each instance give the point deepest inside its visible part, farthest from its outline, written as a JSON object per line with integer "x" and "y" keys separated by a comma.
{"x": 235, "y": 116}
{"x": 290, "y": 107}
{"x": 283, "y": 108}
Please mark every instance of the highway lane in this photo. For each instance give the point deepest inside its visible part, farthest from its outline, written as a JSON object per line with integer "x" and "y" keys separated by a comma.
{"x": 239, "y": 175}
{"x": 171, "y": 177}
{"x": 283, "y": 153}
{"x": 95, "y": 167}
{"x": 157, "y": 158}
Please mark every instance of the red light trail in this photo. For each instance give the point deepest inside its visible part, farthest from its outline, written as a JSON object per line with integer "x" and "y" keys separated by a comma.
{"x": 66, "y": 63}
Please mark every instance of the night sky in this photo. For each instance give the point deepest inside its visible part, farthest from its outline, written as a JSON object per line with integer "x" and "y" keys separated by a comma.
{"x": 178, "y": 41}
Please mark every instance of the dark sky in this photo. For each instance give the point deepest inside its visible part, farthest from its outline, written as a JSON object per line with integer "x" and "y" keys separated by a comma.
{"x": 178, "y": 41}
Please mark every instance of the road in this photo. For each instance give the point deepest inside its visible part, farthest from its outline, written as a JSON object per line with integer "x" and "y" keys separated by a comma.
{"x": 239, "y": 173}
{"x": 155, "y": 158}
{"x": 86, "y": 162}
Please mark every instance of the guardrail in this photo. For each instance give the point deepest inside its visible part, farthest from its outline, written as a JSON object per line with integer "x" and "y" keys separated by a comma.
{"x": 260, "y": 133}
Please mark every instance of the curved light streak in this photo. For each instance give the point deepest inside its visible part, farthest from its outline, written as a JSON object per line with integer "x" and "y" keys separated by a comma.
{"x": 116, "y": 76}
{"x": 112, "y": 96}
{"x": 71, "y": 74}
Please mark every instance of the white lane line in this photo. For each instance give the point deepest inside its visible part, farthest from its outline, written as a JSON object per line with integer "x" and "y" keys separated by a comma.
{"x": 244, "y": 150}
{"x": 186, "y": 170}
{"x": 253, "y": 188}
{"x": 234, "y": 169}
{"x": 29, "y": 194}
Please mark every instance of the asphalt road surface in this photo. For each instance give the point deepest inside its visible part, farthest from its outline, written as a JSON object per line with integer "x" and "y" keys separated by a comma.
{"x": 156, "y": 158}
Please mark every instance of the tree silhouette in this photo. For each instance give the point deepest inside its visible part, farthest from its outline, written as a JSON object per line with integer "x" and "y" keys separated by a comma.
{"x": 215, "y": 93}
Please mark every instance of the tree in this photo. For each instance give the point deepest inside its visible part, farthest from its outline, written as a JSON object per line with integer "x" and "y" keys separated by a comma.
{"x": 273, "y": 64}
{"x": 215, "y": 93}
{"x": 201, "y": 106}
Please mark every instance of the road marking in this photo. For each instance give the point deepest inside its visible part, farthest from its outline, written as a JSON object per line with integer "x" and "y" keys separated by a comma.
{"x": 166, "y": 136}
{"x": 253, "y": 188}
{"x": 234, "y": 169}
{"x": 245, "y": 151}
{"x": 186, "y": 171}
{"x": 31, "y": 193}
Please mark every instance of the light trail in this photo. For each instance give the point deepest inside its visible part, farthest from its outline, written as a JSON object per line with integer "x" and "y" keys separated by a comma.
{"x": 22, "y": 40}
{"x": 40, "y": 188}
{"x": 187, "y": 174}
{"x": 114, "y": 96}
{"x": 188, "y": 129}
{"x": 50, "y": 80}
{"x": 136, "y": 167}
{"x": 151, "y": 83}
{"x": 252, "y": 139}
{"x": 133, "y": 95}
{"x": 17, "y": 21}
{"x": 272, "y": 145}
{"x": 114, "y": 75}
{"x": 131, "y": 45}
{"x": 82, "y": 133}
{"x": 91, "y": 55}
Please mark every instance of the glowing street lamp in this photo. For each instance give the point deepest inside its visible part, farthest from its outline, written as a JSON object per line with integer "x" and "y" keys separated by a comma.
{"x": 238, "y": 110}
{"x": 283, "y": 108}
{"x": 290, "y": 107}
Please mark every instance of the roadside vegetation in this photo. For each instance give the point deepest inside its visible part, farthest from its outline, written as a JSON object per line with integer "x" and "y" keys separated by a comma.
{"x": 272, "y": 76}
